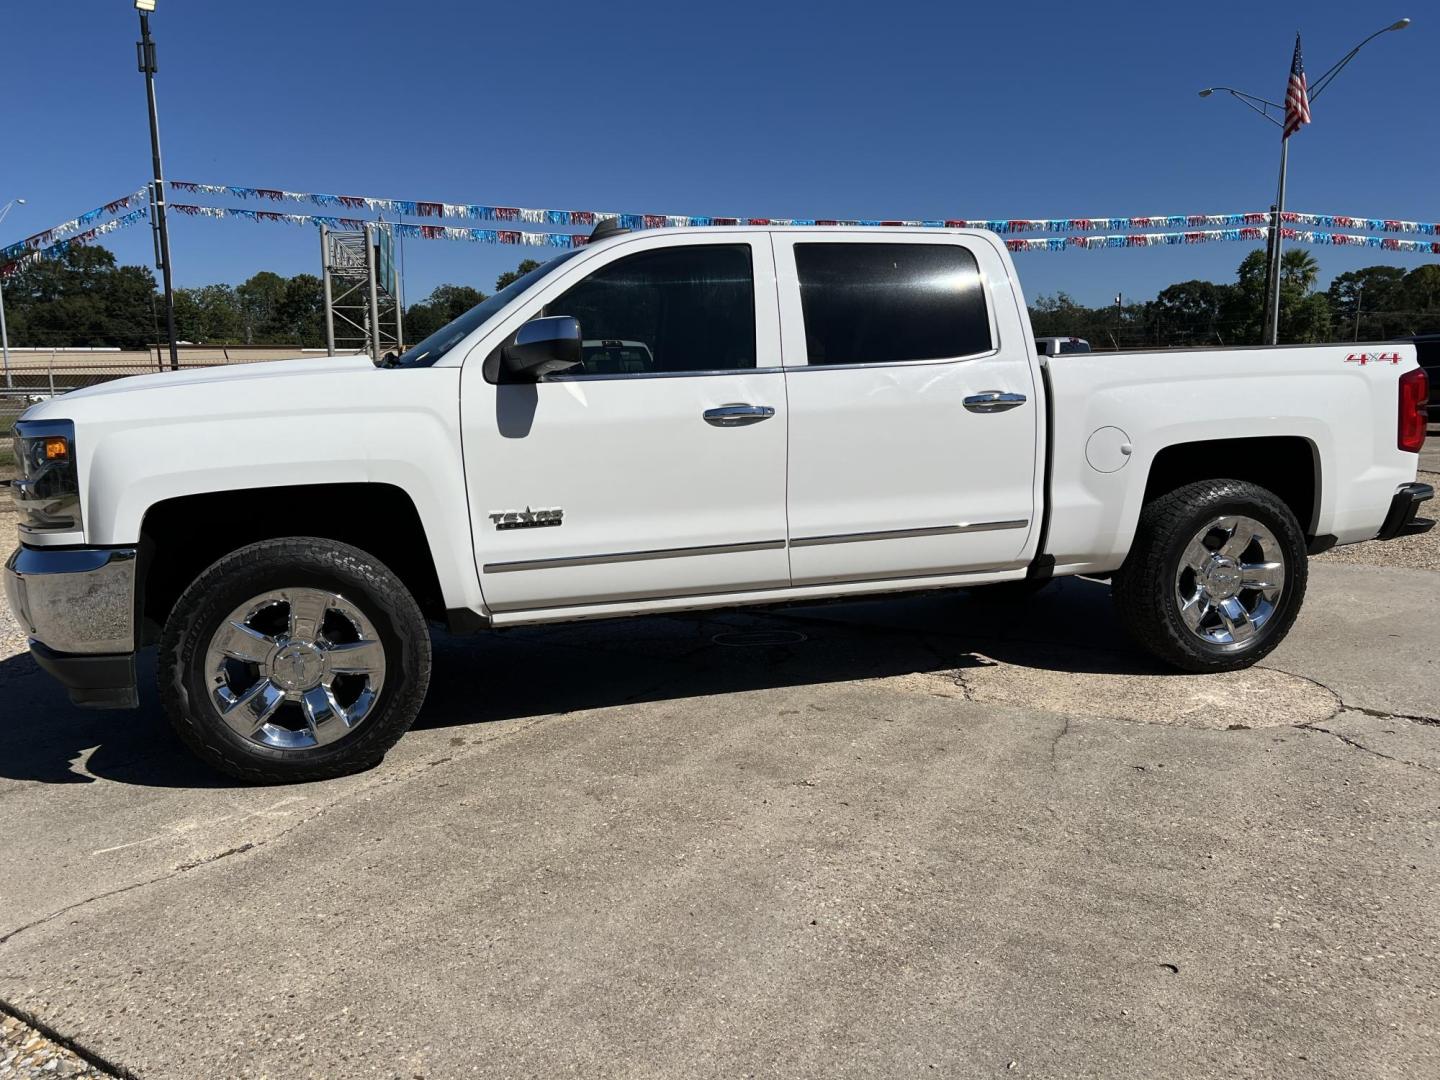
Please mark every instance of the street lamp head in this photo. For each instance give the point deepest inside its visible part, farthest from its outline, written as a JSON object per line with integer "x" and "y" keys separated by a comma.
{"x": 20, "y": 202}
{"x": 1401, "y": 25}
{"x": 1207, "y": 91}
{"x": 144, "y": 5}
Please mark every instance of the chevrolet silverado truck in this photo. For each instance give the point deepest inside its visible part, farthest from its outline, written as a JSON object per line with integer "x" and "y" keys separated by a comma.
{"x": 800, "y": 414}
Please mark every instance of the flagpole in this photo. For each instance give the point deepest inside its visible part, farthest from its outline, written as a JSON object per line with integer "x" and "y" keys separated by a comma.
{"x": 1271, "y": 319}
{"x": 1272, "y": 302}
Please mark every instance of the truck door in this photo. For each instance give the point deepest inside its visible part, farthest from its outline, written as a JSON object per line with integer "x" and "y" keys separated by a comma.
{"x": 914, "y": 415}
{"x": 656, "y": 468}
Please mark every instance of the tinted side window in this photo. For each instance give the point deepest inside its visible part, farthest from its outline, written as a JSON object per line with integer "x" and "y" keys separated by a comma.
{"x": 882, "y": 303}
{"x": 1074, "y": 346}
{"x": 671, "y": 309}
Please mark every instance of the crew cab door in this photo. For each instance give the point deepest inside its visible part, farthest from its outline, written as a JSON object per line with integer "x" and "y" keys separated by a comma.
{"x": 656, "y": 468}
{"x": 914, "y": 414}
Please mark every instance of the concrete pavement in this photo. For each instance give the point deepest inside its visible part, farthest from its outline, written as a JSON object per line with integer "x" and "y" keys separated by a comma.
{"x": 919, "y": 836}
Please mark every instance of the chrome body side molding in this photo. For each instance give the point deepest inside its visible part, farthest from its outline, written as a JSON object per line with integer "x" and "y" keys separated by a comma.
{"x": 905, "y": 534}
{"x": 631, "y": 556}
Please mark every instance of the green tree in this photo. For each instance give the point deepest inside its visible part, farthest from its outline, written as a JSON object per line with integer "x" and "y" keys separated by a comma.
{"x": 445, "y": 304}
{"x": 81, "y": 298}
{"x": 209, "y": 315}
{"x": 1372, "y": 292}
{"x": 300, "y": 317}
{"x": 1195, "y": 312}
{"x": 261, "y": 297}
{"x": 526, "y": 265}
{"x": 1419, "y": 293}
{"x": 1298, "y": 267}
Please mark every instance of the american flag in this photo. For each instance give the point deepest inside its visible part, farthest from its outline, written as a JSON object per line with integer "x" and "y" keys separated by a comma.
{"x": 1297, "y": 99}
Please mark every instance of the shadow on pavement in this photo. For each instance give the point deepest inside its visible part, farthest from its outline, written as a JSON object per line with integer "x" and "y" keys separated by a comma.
{"x": 42, "y": 735}
{"x": 540, "y": 671}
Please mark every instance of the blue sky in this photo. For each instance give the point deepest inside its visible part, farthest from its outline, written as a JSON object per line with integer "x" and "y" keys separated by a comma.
{"x": 905, "y": 109}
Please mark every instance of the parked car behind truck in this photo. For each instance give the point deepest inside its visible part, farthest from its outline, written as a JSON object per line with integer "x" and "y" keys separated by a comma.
{"x": 1060, "y": 346}
{"x": 801, "y": 414}
{"x": 1427, "y": 351}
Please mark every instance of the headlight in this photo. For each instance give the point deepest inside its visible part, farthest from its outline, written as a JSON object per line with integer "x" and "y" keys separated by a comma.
{"x": 47, "y": 494}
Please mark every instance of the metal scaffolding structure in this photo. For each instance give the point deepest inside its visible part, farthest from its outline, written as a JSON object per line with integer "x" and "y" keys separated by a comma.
{"x": 362, "y": 300}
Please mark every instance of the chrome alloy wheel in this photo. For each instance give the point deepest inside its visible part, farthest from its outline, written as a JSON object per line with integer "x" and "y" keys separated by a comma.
{"x": 1229, "y": 581}
{"x": 295, "y": 668}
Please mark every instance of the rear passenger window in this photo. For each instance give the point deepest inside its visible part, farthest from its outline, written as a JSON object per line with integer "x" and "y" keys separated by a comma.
{"x": 884, "y": 303}
{"x": 673, "y": 309}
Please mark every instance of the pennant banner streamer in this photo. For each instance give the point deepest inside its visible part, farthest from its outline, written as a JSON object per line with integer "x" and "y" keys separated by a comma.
{"x": 1054, "y": 243}
{"x": 1088, "y": 233}
{"x": 1341, "y": 221}
{"x": 422, "y": 232}
{"x": 49, "y": 236}
{"x": 526, "y": 215}
{"x": 480, "y": 212}
{"x": 54, "y": 251}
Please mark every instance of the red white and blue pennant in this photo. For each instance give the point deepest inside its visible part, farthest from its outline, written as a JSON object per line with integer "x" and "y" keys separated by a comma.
{"x": 1089, "y": 233}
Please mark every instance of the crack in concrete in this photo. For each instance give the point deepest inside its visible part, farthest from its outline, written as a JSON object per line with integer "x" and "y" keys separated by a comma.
{"x": 1342, "y": 706}
{"x": 881, "y": 630}
{"x": 1356, "y": 744}
{"x": 1055, "y": 745}
{"x": 84, "y": 1053}
{"x": 514, "y": 729}
{"x": 1381, "y": 714}
{"x": 249, "y": 846}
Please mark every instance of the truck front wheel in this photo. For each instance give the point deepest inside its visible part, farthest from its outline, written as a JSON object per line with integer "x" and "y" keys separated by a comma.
{"x": 294, "y": 659}
{"x": 1215, "y": 577}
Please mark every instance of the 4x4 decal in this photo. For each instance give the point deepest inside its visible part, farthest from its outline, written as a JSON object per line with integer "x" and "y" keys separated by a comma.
{"x": 1363, "y": 358}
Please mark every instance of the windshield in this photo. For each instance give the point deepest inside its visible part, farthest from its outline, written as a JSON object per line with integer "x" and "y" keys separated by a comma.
{"x": 452, "y": 333}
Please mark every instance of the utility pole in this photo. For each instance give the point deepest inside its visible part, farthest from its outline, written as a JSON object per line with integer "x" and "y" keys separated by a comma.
{"x": 329, "y": 291}
{"x": 145, "y": 52}
{"x": 1359, "y": 298}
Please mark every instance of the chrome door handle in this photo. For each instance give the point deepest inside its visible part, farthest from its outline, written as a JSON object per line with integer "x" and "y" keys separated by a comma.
{"x": 993, "y": 401}
{"x": 738, "y": 415}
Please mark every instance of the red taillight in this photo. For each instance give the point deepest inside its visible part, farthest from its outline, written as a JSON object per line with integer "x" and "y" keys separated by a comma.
{"x": 1414, "y": 407}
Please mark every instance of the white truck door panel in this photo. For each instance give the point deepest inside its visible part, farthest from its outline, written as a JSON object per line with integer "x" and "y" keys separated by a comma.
{"x": 664, "y": 454}
{"x": 913, "y": 417}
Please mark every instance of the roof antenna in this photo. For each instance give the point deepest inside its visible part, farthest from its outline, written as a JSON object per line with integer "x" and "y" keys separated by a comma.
{"x": 606, "y": 228}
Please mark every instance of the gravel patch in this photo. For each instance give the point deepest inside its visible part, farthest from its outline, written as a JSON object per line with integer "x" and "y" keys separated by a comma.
{"x": 25, "y": 1054}
{"x": 1410, "y": 552}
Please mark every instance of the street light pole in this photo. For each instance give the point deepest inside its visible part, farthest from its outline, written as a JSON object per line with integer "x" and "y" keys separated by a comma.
{"x": 4, "y": 334}
{"x": 145, "y": 50}
{"x": 1272, "y": 273}
{"x": 1263, "y": 107}
{"x": 1272, "y": 254}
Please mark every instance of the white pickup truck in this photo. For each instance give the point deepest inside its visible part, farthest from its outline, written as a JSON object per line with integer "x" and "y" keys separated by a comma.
{"x": 786, "y": 414}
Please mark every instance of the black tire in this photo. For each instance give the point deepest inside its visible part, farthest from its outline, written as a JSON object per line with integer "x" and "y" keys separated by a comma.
{"x": 293, "y": 563}
{"x": 1144, "y": 588}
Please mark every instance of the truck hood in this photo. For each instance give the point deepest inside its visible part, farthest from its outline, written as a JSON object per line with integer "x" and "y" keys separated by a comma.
{"x": 99, "y": 398}
{"x": 228, "y": 373}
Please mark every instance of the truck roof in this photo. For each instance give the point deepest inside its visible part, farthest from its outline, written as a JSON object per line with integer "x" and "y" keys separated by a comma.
{"x": 616, "y": 236}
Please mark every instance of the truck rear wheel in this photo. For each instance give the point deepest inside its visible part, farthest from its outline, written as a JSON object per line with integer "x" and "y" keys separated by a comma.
{"x": 294, "y": 659}
{"x": 1215, "y": 577}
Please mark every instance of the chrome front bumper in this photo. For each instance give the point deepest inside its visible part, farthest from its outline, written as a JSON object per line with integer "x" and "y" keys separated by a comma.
{"x": 78, "y": 600}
